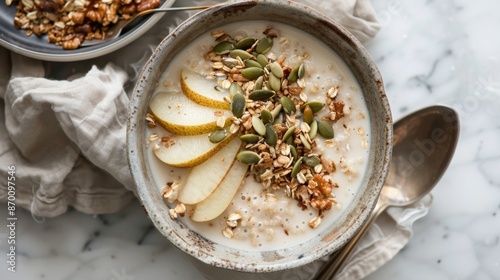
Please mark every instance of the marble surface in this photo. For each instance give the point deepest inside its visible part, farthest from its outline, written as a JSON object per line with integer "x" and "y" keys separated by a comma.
{"x": 429, "y": 52}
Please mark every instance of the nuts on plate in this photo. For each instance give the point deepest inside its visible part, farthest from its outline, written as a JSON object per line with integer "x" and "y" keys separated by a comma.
{"x": 67, "y": 23}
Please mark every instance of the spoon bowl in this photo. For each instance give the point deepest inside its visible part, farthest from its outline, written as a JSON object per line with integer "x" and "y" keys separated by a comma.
{"x": 424, "y": 143}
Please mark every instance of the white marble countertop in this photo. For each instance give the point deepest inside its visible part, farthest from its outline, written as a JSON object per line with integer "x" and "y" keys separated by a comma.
{"x": 429, "y": 52}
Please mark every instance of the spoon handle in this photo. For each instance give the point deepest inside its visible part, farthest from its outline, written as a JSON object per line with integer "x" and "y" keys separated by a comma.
{"x": 161, "y": 10}
{"x": 339, "y": 258}
{"x": 171, "y": 9}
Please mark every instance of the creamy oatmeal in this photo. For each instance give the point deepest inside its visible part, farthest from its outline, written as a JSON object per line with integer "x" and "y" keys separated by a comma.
{"x": 303, "y": 125}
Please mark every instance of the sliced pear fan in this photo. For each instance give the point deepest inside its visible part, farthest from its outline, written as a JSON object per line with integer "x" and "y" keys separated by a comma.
{"x": 206, "y": 177}
{"x": 219, "y": 200}
{"x": 189, "y": 151}
{"x": 179, "y": 115}
{"x": 202, "y": 90}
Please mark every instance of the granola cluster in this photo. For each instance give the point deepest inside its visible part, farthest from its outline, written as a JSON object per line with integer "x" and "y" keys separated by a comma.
{"x": 68, "y": 23}
{"x": 284, "y": 153}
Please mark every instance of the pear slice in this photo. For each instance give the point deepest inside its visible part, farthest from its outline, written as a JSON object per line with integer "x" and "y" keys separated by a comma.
{"x": 219, "y": 200}
{"x": 202, "y": 90}
{"x": 189, "y": 151}
{"x": 206, "y": 177}
{"x": 179, "y": 115}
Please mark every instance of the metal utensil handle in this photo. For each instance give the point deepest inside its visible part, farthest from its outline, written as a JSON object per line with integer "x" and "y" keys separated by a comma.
{"x": 161, "y": 10}
{"x": 171, "y": 9}
{"x": 338, "y": 260}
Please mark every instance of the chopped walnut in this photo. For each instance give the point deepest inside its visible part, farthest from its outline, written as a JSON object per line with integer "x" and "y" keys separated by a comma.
{"x": 71, "y": 44}
{"x": 69, "y": 23}
{"x": 294, "y": 89}
{"x": 324, "y": 186}
{"x": 302, "y": 196}
{"x": 167, "y": 141}
{"x": 338, "y": 109}
{"x": 321, "y": 203}
{"x": 144, "y": 5}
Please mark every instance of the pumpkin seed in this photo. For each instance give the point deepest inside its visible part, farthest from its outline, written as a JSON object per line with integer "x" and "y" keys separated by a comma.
{"x": 262, "y": 59}
{"x": 238, "y": 105}
{"x": 271, "y": 137}
{"x": 261, "y": 94}
{"x": 223, "y": 47}
{"x": 258, "y": 83}
{"x": 278, "y": 119}
{"x": 289, "y": 141}
{"x": 245, "y": 43}
{"x": 250, "y": 138}
{"x": 314, "y": 129}
{"x": 264, "y": 45}
{"x": 293, "y": 76}
{"x": 252, "y": 63}
{"x": 252, "y": 73}
{"x": 315, "y": 106}
{"x": 230, "y": 62}
{"x": 311, "y": 161}
{"x": 308, "y": 115}
{"x": 325, "y": 129}
{"x": 217, "y": 136}
{"x": 248, "y": 157}
{"x": 274, "y": 82}
{"x": 304, "y": 141}
{"x": 266, "y": 116}
{"x": 276, "y": 110}
{"x": 296, "y": 168}
{"x": 293, "y": 152}
{"x": 235, "y": 88}
{"x": 258, "y": 125}
{"x": 288, "y": 105}
{"x": 301, "y": 71}
{"x": 276, "y": 69}
{"x": 288, "y": 133}
{"x": 241, "y": 53}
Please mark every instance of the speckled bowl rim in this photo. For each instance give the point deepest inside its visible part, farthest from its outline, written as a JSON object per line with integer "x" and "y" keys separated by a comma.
{"x": 327, "y": 241}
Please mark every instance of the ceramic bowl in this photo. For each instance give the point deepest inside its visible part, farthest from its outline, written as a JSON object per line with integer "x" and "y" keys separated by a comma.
{"x": 369, "y": 78}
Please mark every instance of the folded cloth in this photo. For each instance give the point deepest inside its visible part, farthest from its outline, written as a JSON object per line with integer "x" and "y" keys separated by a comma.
{"x": 388, "y": 235}
{"x": 50, "y": 128}
{"x": 66, "y": 136}
{"x": 357, "y": 16}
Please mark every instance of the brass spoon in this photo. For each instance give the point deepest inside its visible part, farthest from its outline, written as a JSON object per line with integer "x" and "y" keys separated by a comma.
{"x": 424, "y": 143}
{"x": 116, "y": 29}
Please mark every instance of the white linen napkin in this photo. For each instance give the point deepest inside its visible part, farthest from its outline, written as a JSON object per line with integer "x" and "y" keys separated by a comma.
{"x": 50, "y": 128}
{"x": 66, "y": 136}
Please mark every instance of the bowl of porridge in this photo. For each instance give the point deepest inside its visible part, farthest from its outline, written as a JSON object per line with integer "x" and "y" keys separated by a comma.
{"x": 259, "y": 138}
